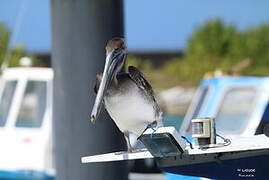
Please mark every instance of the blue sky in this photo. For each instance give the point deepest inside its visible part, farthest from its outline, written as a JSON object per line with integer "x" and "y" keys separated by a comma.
{"x": 34, "y": 29}
{"x": 150, "y": 25}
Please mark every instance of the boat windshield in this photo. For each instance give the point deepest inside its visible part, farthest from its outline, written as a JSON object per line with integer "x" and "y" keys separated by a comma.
{"x": 200, "y": 102}
{"x": 196, "y": 107}
{"x": 33, "y": 105}
{"x": 235, "y": 110}
{"x": 6, "y": 100}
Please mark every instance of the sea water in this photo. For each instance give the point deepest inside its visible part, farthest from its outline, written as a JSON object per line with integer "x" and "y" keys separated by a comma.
{"x": 173, "y": 120}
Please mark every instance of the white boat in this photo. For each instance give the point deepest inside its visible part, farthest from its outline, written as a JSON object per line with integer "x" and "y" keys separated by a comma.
{"x": 240, "y": 107}
{"x": 26, "y": 124}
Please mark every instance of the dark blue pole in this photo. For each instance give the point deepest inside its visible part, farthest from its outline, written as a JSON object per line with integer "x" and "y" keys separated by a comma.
{"x": 80, "y": 30}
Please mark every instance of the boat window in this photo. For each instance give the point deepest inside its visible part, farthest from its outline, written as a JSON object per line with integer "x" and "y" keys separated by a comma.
{"x": 235, "y": 110}
{"x": 33, "y": 105}
{"x": 200, "y": 102}
{"x": 6, "y": 100}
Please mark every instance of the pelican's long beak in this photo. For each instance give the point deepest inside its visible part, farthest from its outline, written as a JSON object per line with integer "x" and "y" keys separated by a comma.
{"x": 113, "y": 60}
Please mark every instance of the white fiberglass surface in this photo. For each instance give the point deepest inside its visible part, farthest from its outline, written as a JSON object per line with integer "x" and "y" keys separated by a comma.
{"x": 235, "y": 110}
{"x": 24, "y": 138}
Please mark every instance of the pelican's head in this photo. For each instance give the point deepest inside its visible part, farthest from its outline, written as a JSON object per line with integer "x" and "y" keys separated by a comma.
{"x": 115, "y": 58}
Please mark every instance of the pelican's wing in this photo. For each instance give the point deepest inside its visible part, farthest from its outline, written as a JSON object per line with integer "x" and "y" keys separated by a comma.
{"x": 141, "y": 81}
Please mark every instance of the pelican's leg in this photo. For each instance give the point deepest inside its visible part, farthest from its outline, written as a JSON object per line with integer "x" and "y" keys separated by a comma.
{"x": 127, "y": 138}
{"x": 129, "y": 146}
{"x": 153, "y": 126}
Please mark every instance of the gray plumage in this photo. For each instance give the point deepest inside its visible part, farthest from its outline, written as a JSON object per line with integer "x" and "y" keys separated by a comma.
{"x": 125, "y": 80}
{"x": 127, "y": 97}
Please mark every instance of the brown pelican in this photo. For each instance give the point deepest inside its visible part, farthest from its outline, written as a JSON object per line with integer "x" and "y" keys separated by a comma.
{"x": 127, "y": 97}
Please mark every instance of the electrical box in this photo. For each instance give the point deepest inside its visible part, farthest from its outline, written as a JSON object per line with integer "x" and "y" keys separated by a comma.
{"x": 163, "y": 142}
{"x": 203, "y": 129}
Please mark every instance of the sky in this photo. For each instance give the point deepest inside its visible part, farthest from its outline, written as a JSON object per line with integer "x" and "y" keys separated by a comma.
{"x": 31, "y": 19}
{"x": 161, "y": 25}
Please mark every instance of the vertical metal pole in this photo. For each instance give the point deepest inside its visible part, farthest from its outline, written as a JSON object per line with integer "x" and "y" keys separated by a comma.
{"x": 80, "y": 30}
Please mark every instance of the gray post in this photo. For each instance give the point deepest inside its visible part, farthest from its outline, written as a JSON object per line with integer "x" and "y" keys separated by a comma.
{"x": 80, "y": 30}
